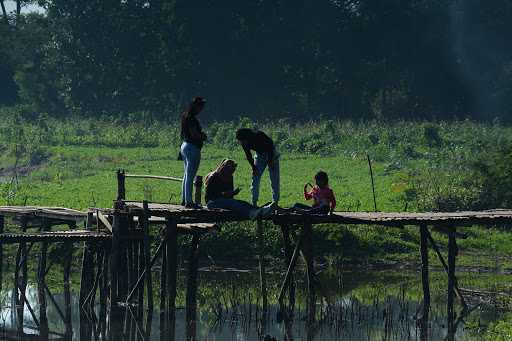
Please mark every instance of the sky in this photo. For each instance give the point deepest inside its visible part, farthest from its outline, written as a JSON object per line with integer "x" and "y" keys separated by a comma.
{"x": 10, "y": 6}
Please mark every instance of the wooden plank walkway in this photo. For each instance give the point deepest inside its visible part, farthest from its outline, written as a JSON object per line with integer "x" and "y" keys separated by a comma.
{"x": 54, "y": 236}
{"x": 462, "y": 218}
{"x": 56, "y": 214}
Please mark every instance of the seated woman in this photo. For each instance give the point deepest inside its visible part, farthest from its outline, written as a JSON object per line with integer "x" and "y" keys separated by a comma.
{"x": 220, "y": 193}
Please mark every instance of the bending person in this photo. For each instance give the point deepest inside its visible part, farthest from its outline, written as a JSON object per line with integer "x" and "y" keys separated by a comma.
{"x": 220, "y": 193}
{"x": 193, "y": 139}
{"x": 265, "y": 155}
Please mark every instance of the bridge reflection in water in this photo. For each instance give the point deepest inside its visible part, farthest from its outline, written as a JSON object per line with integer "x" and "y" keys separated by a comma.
{"x": 126, "y": 246}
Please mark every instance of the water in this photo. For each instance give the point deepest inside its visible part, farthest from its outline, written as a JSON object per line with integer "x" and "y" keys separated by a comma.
{"x": 363, "y": 305}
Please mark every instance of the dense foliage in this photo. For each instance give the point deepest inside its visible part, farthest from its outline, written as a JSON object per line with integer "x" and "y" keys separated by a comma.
{"x": 349, "y": 58}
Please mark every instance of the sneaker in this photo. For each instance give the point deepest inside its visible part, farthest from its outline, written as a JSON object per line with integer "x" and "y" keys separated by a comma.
{"x": 268, "y": 210}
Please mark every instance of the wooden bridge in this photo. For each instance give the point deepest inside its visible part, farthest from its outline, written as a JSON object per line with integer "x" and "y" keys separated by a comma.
{"x": 119, "y": 259}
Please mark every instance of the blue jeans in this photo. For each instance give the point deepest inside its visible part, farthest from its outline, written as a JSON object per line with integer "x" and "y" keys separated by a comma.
{"x": 242, "y": 208}
{"x": 191, "y": 159}
{"x": 322, "y": 209}
{"x": 261, "y": 161}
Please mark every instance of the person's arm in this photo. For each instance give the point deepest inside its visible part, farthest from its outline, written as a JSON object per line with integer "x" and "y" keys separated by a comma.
{"x": 250, "y": 158}
{"x": 230, "y": 192}
{"x": 308, "y": 195}
{"x": 333, "y": 201}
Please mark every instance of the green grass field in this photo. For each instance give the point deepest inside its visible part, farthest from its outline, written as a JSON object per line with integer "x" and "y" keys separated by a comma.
{"x": 417, "y": 166}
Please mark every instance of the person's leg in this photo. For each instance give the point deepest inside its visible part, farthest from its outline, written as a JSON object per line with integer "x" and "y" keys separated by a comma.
{"x": 300, "y": 206}
{"x": 274, "y": 180}
{"x": 260, "y": 162}
{"x": 322, "y": 209}
{"x": 184, "y": 181}
{"x": 240, "y": 207}
{"x": 194, "y": 162}
{"x": 192, "y": 156}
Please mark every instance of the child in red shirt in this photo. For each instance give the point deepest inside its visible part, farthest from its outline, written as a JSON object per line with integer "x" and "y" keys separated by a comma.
{"x": 324, "y": 201}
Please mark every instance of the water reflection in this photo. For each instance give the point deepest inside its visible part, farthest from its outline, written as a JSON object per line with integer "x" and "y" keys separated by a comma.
{"x": 373, "y": 306}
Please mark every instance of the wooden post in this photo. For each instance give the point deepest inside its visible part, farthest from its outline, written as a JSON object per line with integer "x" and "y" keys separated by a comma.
{"x": 198, "y": 188}
{"x": 307, "y": 249}
{"x": 104, "y": 292}
{"x": 261, "y": 261}
{"x": 115, "y": 254}
{"x": 452, "y": 254}
{"x": 192, "y": 288}
{"x": 147, "y": 254}
{"x": 68, "y": 333}
{"x": 121, "y": 185}
{"x": 163, "y": 291}
{"x": 288, "y": 253}
{"x": 140, "y": 270}
{"x": 41, "y": 294}
{"x": 21, "y": 280}
{"x": 2, "y": 223}
{"x": 172, "y": 268}
{"x": 424, "y": 281}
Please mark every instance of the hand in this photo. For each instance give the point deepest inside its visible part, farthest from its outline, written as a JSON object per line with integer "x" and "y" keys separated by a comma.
{"x": 236, "y": 191}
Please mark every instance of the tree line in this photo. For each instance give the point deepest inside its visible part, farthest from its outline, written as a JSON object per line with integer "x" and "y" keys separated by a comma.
{"x": 346, "y": 58}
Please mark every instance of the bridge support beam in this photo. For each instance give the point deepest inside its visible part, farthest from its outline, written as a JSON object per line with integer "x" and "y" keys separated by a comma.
{"x": 425, "y": 282}
{"x": 452, "y": 254}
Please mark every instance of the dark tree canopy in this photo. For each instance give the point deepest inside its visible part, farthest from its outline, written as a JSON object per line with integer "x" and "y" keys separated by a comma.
{"x": 346, "y": 58}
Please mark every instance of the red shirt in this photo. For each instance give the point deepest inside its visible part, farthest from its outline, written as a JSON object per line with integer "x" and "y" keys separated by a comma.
{"x": 321, "y": 196}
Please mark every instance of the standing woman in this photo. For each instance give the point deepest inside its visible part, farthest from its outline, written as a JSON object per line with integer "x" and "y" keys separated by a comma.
{"x": 193, "y": 139}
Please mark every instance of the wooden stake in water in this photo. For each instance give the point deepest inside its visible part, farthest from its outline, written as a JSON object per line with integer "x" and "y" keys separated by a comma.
{"x": 373, "y": 183}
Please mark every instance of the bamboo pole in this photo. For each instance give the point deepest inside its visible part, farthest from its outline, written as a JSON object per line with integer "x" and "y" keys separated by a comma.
{"x": 288, "y": 254}
{"x": 452, "y": 254}
{"x": 445, "y": 266}
{"x": 261, "y": 261}
{"x": 373, "y": 183}
{"x": 193, "y": 263}
{"x": 424, "y": 281}
{"x": 291, "y": 265}
{"x": 86, "y": 280}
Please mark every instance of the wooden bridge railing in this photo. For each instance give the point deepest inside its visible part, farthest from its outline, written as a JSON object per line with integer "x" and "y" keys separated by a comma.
{"x": 122, "y": 175}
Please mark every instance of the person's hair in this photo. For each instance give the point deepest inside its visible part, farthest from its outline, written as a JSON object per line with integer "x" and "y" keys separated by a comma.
{"x": 244, "y": 134}
{"x": 322, "y": 176}
{"x": 219, "y": 170}
{"x": 192, "y": 107}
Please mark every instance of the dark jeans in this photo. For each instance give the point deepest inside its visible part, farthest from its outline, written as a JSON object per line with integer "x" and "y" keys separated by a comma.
{"x": 242, "y": 208}
{"x": 322, "y": 209}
